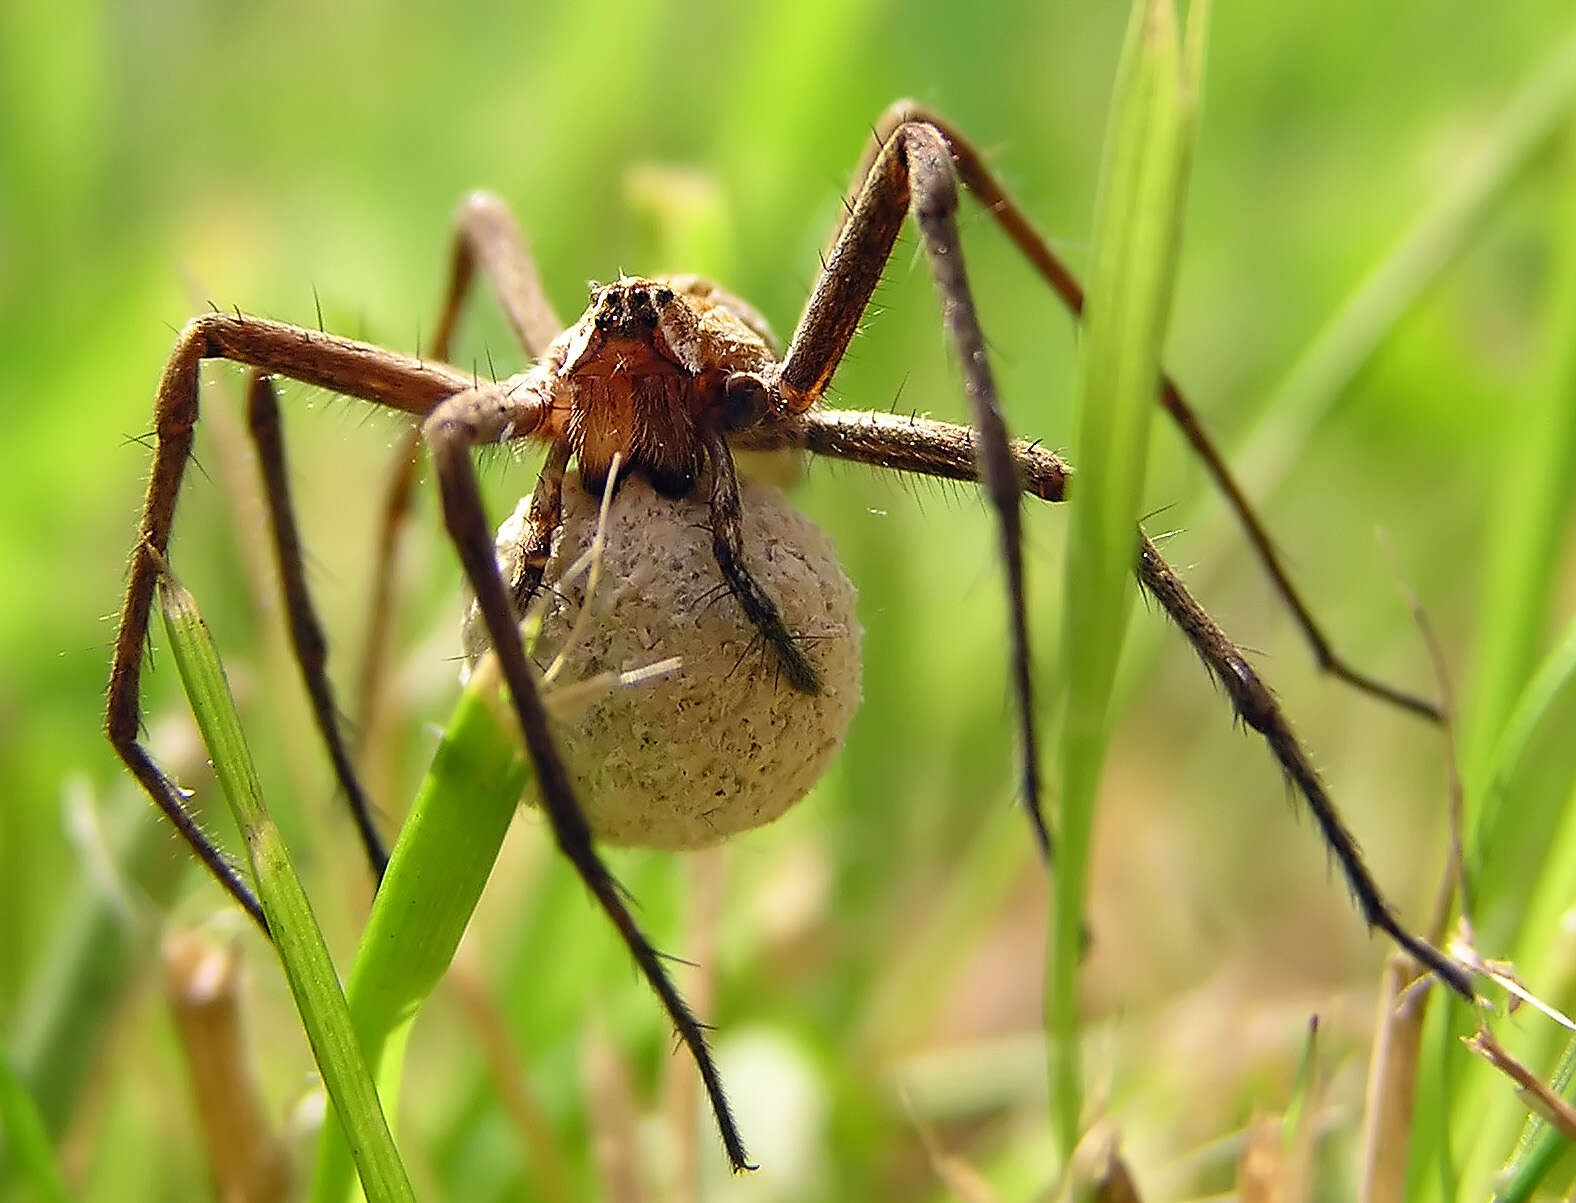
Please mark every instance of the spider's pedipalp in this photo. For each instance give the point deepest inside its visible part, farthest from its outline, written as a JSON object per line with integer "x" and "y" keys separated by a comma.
{"x": 727, "y": 528}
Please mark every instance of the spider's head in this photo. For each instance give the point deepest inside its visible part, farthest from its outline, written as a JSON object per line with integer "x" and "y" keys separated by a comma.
{"x": 649, "y": 366}
{"x": 683, "y": 323}
{"x": 629, "y": 329}
{"x": 632, "y": 308}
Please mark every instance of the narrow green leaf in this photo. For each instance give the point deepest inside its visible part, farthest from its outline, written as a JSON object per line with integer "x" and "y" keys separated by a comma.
{"x": 435, "y": 878}
{"x": 1137, "y": 231}
{"x": 24, "y": 1145}
{"x": 1529, "y": 893}
{"x": 1454, "y": 217}
{"x": 308, "y": 969}
{"x": 1297, "y": 1125}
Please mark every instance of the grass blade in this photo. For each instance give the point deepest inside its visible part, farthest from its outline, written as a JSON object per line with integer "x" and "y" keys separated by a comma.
{"x": 1530, "y": 890}
{"x": 1520, "y": 765}
{"x": 297, "y": 937}
{"x": 435, "y": 878}
{"x": 1356, "y": 331}
{"x": 25, "y": 1155}
{"x": 1137, "y": 230}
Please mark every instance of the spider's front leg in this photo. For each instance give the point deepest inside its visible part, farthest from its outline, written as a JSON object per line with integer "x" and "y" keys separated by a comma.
{"x": 977, "y": 177}
{"x": 913, "y": 172}
{"x": 484, "y": 415}
{"x": 338, "y": 364}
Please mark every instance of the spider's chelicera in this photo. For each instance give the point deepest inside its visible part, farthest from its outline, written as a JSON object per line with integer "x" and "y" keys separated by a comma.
{"x": 672, "y": 376}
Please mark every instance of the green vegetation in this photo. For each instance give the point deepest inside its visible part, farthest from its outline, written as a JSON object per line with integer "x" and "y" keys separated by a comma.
{"x": 1375, "y": 310}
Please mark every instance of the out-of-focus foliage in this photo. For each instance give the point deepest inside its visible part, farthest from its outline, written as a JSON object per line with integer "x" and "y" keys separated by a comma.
{"x": 875, "y": 958}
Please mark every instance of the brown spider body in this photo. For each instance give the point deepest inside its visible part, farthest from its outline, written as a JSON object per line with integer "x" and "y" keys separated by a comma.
{"x": 644, "y": 372}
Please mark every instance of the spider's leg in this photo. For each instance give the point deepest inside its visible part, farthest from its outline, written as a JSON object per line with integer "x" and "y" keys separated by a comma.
{"x": 306, "y": 633}
{"x": 485, "y": 236}
{"x": 942, "y": 449}
{"x": 452, "y": 430}
{"x": 913, "y": 171}
{"x": 338, "y": 364}
{"x": 978, "y": 178}
{"x": 398, "y": 495}
{"x": 1257, "y": 707}
{"x": 727, "y": 544}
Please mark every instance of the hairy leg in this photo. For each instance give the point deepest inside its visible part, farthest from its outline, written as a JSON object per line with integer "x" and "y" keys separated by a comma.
{"x": 341, "y": 365}
{"x": 451, "y": 432}
{"x": 930, "y": 448}
{"x": 913, "y": 173}
{"x": 978, "y": 178}
{"x": 306, "y": 632}
{"x": 486, "y": 237}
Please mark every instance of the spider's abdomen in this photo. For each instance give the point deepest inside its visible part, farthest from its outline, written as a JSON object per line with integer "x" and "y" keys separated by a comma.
{"x": 642, "y": 373}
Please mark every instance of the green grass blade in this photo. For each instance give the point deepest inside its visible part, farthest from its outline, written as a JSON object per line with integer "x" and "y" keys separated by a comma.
{"x": 1529, "y": 892}
{"x": 1518, "y": 764}
{"x": 1529, "y": 508}
{"x": 296, "y": 935}
{"x": 435, "y": 878}
{"x": 1356, "y": 331}
{"x": 1137, "y": 230}
{"x": 96, "y": 947}
{"x": 25, "y": 1155}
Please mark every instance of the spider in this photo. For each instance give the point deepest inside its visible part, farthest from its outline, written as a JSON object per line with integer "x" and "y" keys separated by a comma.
{"x": 671, "y": 376}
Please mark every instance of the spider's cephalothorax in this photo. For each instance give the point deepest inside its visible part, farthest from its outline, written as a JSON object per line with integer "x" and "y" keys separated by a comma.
{"x": 648, "y": 369}
{"x": 657, "y": 373}
{"x": 667, "y": 375}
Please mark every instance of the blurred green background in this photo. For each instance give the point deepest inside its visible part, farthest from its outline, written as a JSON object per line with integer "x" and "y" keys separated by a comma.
{"x": 875, "y": 956}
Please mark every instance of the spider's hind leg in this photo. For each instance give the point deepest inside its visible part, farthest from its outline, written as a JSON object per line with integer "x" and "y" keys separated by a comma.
{"x": 727, "y": 544}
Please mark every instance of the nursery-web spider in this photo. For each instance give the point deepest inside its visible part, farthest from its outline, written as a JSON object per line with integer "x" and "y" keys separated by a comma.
{"x": 670, "y": 375}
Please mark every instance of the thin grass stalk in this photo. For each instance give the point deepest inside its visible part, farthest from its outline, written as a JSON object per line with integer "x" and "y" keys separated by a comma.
{"x": 296, "y": 935}
{"x": 435, "y": 878}
{"x": 1137, "y": 231}
{"x": 29, "y": 1160}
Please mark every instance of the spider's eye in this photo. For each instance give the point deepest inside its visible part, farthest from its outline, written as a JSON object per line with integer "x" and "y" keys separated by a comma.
{"x": 663, "y": 295}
